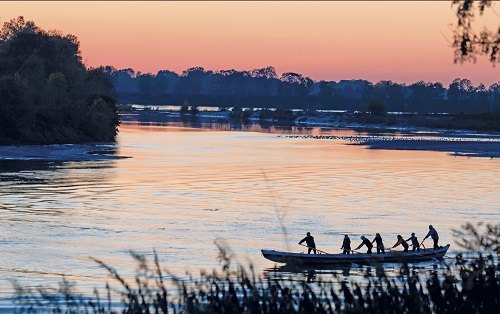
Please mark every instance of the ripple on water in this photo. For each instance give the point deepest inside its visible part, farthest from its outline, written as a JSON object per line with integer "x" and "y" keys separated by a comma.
{"x": 182, "y": 190}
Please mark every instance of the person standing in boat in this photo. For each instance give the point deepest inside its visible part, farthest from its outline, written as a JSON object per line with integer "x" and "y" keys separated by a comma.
{"x": 434, "y": 235}
{"x": 402, "y": 242}
{"x": 368, "y": 244}
{"x": 309, "y": 239}
{"x": 414, "y": 242}
{"x": 380, "y": 244}
{"x": 346, "y": 245}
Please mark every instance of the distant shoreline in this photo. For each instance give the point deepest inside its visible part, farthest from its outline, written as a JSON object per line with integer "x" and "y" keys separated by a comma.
{"x": 390, "y": 123}
{"x": 457, "y": 142}
{"x": 460, "y": 147}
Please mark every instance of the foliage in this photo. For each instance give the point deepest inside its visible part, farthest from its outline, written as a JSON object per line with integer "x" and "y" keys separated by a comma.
{"x": 376, "y": 107}
{"x": 262, "y": 88}
{"x": 469, "y": 43}
{"x": 46, "y": 93}
{"x": 467, "y": 286}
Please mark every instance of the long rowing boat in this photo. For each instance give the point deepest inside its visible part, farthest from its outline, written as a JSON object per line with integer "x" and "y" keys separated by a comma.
{"x": 360, "y": 258}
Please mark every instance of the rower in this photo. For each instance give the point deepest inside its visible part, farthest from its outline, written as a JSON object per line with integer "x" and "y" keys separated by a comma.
{"x": 368, "y": 244}
{"x": 414, "y": 242}
{"x": 380, "y": 244}
{"x": 402, "y": 242}
{"x": 346, "y": 245}
{"x": 434, "y": 235}
{"x": 311, "y": 246}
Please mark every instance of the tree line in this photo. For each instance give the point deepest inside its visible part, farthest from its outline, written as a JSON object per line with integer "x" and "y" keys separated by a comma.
{"x": 263, "y": 88}
{"x": 47, "y": 95}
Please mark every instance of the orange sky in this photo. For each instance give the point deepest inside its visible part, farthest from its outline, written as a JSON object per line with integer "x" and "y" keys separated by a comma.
{"x": 399, "y": 41}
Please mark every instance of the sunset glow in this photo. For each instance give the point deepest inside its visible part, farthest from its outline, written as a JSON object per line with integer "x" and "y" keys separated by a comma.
{"x": 399, "y": 41}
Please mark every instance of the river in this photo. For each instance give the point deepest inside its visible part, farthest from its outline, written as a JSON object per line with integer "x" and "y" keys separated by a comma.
{"x": 183, "y": 188}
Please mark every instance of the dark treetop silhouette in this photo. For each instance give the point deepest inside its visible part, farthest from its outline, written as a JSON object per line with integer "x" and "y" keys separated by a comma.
{"x": 47, "y": 95}
{"x": 470, "y": 43}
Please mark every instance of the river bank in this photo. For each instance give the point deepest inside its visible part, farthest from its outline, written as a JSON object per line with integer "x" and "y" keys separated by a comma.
{"x": 487, "y": 122}
{"x": 411, "y": 132}
{"x": 59, "y": 152}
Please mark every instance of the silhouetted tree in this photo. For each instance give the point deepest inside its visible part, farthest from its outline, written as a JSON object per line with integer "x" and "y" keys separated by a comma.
{"x": 376, "y": 107}
{"x": 262, "y": 89}
{"x": 469, "y": 43}
{"x": 47, "y": 95}
{"x": 494, "y": 91}
{"x": 325, "y": 94}
{"x": 389, "y": 93}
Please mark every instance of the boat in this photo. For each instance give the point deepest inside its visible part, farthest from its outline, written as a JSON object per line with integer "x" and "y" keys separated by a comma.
{"x": 359, "y": 258}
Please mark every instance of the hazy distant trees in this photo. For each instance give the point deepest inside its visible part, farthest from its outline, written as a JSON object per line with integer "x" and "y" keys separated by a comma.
{"x": 261, "y": 88}
{"x": 494, "y": 92}
{"x": 425, "y": 96}
{"x": 390, "y": 94}
{"x": 376, "y": 107}
{"x": 325, "y": 93}
{"x": 46, "y": 93}
{"x": 294, "y": 84}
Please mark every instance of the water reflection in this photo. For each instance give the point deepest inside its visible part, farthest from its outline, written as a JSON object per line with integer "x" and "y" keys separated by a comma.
{"x": 310, "y": 273}
{"x": 13, "y": 166}
{"x": 349, "y": 271}
{"x": 191, "y": 122}
{"x": 185, "y": 187}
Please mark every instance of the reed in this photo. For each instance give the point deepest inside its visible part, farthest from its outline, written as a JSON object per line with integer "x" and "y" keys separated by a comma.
{"x": 471, "y": 284}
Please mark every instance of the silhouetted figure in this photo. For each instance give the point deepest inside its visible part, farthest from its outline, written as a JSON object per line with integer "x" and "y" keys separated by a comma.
{"x": 402, "y": 242}
{"x": 434, "y": 235}
{"x": 368, "y": 244}
{"x": 380, "y": 244}
{"x": 346, "y": 245}
{"x": 311, "y": 246}
{"x": 414, "y": 242}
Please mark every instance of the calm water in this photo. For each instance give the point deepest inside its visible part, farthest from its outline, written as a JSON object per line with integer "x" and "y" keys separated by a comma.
{"x": 184, "y": 188}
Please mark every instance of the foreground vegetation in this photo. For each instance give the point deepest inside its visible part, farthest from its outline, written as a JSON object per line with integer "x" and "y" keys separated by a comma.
{"x": 467, "y": 286}
{"x": 47, "y": 95}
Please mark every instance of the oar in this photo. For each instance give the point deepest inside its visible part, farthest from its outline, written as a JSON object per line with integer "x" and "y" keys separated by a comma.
{"x": 323, "y": 252}
{"x": 356, "y": 251}
{"x": 416, "y": 246}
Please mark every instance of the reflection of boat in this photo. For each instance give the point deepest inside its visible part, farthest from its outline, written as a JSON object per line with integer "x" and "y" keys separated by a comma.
{"x": 360, "y": 258}
{"x": 312, "y": 270}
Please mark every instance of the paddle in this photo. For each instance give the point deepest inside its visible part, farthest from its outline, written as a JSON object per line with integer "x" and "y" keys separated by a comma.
{"x": 372, "y": 253}
{"x": 322, "y": 252}
{"x": 417, "y": 246}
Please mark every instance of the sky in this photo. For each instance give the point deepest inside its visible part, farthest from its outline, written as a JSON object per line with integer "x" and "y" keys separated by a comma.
{"x": 400, "y": 41}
